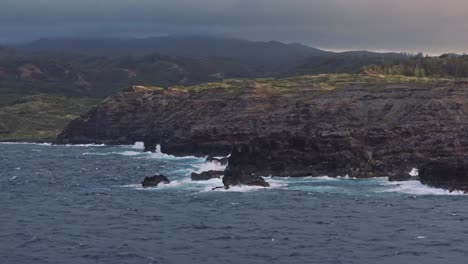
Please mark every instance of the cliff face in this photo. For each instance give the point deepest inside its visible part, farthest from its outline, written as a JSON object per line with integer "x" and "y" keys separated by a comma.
{"x": 311, "y": 125}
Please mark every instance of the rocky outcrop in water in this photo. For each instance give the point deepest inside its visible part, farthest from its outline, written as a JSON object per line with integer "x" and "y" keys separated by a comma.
{"x": 155, "y": 181}
{"x": 449, "y": 174}
{"x": 359, "y": 126}
{"x": 206, "y": 175}
{"x": 399, "y": 177}
{"x": 223, "y": 161}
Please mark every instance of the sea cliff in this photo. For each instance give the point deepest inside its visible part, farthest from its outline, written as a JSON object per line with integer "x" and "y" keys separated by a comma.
{"x": 357, "y": 125}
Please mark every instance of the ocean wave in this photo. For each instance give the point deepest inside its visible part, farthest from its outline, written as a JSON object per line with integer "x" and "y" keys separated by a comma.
{"x": 211, "y": 166}
{"x": 26, "y": 143}
{"x": 274, "y": 184}
{"x": 52, "y": 144}
{"x": 417, "y": 188}
{"x": 83, "y": 145}
{"x": 139, "y": 145}
{"x": 159, "y": 155}
{"x": 185, "y": 183}
{"x": 123, "y": 153}
{"x": 130, "y": 153}
{"x": 137, "y": 151}
{"x": 205, "y": 186}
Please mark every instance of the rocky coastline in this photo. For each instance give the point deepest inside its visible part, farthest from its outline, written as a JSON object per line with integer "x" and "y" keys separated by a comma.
{"x": 335, "y": 125}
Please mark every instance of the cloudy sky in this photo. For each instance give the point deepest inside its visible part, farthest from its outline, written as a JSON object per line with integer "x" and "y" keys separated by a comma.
{"x": 432, "y": 26}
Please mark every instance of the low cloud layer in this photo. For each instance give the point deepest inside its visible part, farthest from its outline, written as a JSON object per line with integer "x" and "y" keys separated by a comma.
{"x": 412, "y": 25}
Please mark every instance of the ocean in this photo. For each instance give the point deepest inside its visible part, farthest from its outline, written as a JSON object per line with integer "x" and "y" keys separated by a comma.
{"x": 85, "y": 204}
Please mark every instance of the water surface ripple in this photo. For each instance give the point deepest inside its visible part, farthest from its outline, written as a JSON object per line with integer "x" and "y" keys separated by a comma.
{"x": 83, "y": 204}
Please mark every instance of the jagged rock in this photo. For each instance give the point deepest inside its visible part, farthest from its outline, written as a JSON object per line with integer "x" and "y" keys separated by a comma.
{"x": 206, "y": 175}
{"x": 155, "y": 181}
{"x": 223, "y": 161}
{"x": 235, "y": 178}
{"x": 291, "y": 127}
{"x": 449, "y": 174}
{"x": 398, "y": 177}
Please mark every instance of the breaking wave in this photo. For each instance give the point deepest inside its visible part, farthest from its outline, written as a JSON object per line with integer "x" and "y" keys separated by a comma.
{"x": 211, "y": 166}
{"x": 139, "y": 145}
{"x": 417, "y": 188}
{"x": 137, "y": 151}
{"x": 27, "y": 143}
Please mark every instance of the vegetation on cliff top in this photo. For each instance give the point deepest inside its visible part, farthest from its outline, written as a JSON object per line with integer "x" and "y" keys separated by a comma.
{"x": 40, "y": 117}
{"x": 447, "y": 65}
{"x": 318, "y": 82}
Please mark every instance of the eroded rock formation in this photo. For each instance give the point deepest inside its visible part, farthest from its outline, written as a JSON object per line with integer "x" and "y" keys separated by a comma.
{"x": 206, "y": 175}
{"x": 304, "y": 126}
{"x": 155, "y": 181}
{"x": 450, "y": 174}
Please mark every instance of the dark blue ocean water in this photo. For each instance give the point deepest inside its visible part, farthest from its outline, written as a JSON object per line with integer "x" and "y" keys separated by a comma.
{"x": 83, "y": 204}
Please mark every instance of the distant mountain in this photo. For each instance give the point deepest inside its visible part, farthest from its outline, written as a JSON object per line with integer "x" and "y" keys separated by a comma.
{"x": 101, "y": 67}
{"x": 184, "y": 46}
{"x": 82, "y": 75}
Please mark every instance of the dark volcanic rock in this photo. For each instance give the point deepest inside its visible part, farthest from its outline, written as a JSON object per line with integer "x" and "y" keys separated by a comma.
{"x": 223, "y": 161}
{"x": 206, "y": 175}
{"x": 291, "y": 127}
{"x": 296, "y": 156}
{"x": 400, "y": 177}
{"x": 155, "y": 181}
{"x": 235, "y": 177}
{"x": 450, "y": 174}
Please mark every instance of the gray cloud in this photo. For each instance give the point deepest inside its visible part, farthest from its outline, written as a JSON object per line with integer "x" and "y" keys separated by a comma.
{"x": 413, "y": 25}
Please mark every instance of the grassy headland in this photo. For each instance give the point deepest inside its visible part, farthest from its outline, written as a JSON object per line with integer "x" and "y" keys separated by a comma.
{"x": 40, "y": 117}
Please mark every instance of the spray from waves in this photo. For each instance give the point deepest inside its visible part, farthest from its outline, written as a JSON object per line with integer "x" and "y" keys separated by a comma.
{"x": 416, "y": 188}
{"x": 318, "y": 178}
{"x": 82, "y": 145}
{"x": 204, "y": 186}
{"x": 159, "y": 155}
{"x": 123, "y": 153}
{"x": 139, "y": 145}
{"x": 26, "y": 143}
{"x": 130, "y": 153}
{"x": 53, "y": 145}
{"x": 210, "y": 166}
{"x": 137, "y": 151}
{"x": 274, "y": 184}
{"x": 181, "y": 184}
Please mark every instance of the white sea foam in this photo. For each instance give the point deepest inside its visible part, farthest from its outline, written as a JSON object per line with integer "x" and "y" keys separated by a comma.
{"x": 129, "y": 153}
{"x": 159, "y": 155}
{"x": 205, "y": 186}
{"x": 83, "y": 145}
{"x": 274, "y": 184}
{"x": 211, "y": 166}
{"x": 26, "y": 143}
{"x": 414, "y": 172}
{"x": 51, "y": 144}
{"x": 137, "y": 150}
{"x": 315, "y": 178}
{"x": 97, "y": 153}
{"x": 185, "y": 183}
{"x": 139, "y": 145}
{"x": 417, "y": 188}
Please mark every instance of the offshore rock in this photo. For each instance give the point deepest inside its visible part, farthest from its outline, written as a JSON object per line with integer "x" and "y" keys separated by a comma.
{"x": 155, "y": 181}
{"x": 223, "y": 161}
{"x": 449, "y": 174}
{"x": 398, "y": 177}
{"x": 206, "y": 175}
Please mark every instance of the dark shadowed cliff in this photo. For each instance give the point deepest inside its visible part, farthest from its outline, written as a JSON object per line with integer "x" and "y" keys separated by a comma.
{"x": 363, "y": 126}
